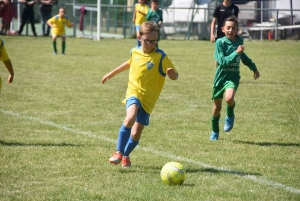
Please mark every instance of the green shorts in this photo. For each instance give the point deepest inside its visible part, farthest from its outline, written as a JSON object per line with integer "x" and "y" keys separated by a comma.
{"x": 219, "y": 90}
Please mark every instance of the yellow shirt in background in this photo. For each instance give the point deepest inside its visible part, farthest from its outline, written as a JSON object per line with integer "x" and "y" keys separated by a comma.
{"x": 60, "y": 24}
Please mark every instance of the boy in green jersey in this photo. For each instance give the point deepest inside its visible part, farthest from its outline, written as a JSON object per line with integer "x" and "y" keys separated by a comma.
{"x": 228, "y": 53}
{"x": 155, "y": 15}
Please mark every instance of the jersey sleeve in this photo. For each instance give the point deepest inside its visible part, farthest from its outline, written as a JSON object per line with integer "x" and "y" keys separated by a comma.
{"x": 248, "y": 62}
{"x": 166, "y": 63}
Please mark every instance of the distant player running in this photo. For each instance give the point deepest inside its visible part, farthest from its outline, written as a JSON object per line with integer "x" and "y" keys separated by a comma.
{"x": 228, "y": 54}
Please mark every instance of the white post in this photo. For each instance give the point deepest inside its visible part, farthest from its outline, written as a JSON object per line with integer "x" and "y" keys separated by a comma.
{"x": 98, "y": 20}
{"x": 261, "y": 19}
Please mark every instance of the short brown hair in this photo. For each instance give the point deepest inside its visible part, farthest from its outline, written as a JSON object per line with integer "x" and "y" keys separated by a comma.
{"x": 148, "y": 27}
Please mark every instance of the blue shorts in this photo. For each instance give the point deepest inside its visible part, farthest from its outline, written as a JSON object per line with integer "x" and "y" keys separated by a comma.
{"x": 142, "y": 116}
{"x": 137, "y": 27}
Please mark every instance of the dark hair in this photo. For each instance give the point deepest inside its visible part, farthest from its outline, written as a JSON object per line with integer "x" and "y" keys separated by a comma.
{"x": 232, "y": 18}
{"x": 154, "y": 1}
{"x": 147, "y": 27}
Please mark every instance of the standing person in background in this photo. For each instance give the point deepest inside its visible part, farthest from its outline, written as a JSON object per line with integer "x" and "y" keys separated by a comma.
{"x": 139, "y": 16}
{"x": 28, "y": 13}
{"x": 7, "y": 62}
{"x": 6, "y": 10}
{"x": 58, "y": 23}
{"x": 46, "y": 14}
{"x": 155, "y": 15}
{"x": 222, "y": 11}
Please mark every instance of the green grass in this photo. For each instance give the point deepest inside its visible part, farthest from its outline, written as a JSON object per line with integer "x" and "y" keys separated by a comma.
{"x": 59, "y": 125}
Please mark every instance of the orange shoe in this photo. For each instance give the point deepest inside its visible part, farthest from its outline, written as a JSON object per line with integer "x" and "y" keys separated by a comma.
{"x": 126, "y": 162}
{"x": 116, "y": 158}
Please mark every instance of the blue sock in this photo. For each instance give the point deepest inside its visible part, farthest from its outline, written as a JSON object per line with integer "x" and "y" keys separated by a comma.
{"x": 124, "y": 134}
{"x": 131, "y": 144}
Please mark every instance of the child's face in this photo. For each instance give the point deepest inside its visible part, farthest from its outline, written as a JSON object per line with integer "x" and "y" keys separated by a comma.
{"x": 230, "y": 29}
{"x": 154, "y": 5}
{"x": 149, "y": 41}
{"x": 61, "y": 12}
{"x": 142, "y": 1}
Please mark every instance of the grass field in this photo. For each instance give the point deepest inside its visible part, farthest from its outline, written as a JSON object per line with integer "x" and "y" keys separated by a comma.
{"x": 59, "y": 125}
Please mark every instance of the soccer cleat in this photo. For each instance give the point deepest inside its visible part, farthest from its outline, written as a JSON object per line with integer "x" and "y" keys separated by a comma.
{"x": 126, "y": 162}
{"x": 55, "y": 53}
{"x": 214, "y": 135}
{"x": 116, "y": 158}
{"x": 229, "y": 121}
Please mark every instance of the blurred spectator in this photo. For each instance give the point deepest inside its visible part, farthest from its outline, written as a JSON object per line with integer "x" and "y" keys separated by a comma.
{"x": 7, "y": 12}
{"x": 28, "y": 13}
{"x": 46, "y": 14}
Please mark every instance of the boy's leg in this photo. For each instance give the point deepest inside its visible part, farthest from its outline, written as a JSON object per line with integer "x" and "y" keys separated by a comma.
{"x": 124, "y": 133}
{"x": 54, "y": 43}
{"x": 133, "y": 141}
{"x": 230, "y": 104}
{"x": 63, "y": 44}
{"x": 216, "y": 118}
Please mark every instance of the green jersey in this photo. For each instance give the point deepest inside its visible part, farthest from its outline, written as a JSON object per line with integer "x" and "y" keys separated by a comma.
{"x": 154, "y": 16}
{"x": 229, "y": 61}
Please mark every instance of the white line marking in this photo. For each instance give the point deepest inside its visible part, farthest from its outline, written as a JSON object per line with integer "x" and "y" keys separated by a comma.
{"x": 160, "y": 153}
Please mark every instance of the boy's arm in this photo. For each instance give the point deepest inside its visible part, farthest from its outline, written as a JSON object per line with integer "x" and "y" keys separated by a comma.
{"x": 124, "y": 66}
{"x": 212, "y": 29}
{"x": 10, "y": 69}
{"x": 148, "y": 16}
{"x": 220, "y": 57}
{"x": 248, "y": 62}
{"x": 172, "y": 73}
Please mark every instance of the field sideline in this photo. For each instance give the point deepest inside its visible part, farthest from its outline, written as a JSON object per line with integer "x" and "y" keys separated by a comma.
{"x": 59, "y": 125}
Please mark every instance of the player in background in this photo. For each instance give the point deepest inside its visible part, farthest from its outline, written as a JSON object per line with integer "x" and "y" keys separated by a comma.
{"x": 222, "y": 11}
{"x": 148, "y": 67}
{"x": 139, "y": 16}
{"x": 229, "y": 52}
{"x": 7, "y": 62}
{"x": 58, "y": 23}
{"x": 155, "y": 15}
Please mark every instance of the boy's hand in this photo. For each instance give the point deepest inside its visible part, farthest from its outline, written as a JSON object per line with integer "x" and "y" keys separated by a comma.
{"x": 256, "y": 75}
{"x": 105, "y": 78}
{"x": 240, "y": 49}
{"x": 172, "y": 74}
{"x": 10, "y": 79}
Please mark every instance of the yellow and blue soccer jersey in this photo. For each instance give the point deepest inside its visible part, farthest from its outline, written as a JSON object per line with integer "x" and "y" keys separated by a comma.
{"x": 140, "y": 18}
{"x": 3, "y": 56}
{"x": 60, "y": 24}
{"x": 147, "y": 75}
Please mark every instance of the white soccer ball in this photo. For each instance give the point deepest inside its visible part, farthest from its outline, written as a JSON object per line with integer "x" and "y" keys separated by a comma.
{"x": 173, "y": 173}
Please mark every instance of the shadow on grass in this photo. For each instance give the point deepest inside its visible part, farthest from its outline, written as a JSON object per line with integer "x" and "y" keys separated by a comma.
{"x": 268, "y": 143}
{"x": 3, "y": 143}
{"x": 238, "y": 173}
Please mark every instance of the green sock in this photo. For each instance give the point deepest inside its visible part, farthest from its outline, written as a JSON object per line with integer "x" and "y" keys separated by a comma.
{"x": 54, "y": 46}
{"x": 63, "y": 47}
{"x": 229, "y": 110}
{"x": 215, "y": 123}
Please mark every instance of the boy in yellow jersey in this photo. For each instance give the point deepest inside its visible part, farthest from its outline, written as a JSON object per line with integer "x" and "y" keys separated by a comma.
{"x": 139, "y": 16}
{"x": 148, "y": 67}
{"x": 7, "y": 62}
{"x": 58, "y": 23}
